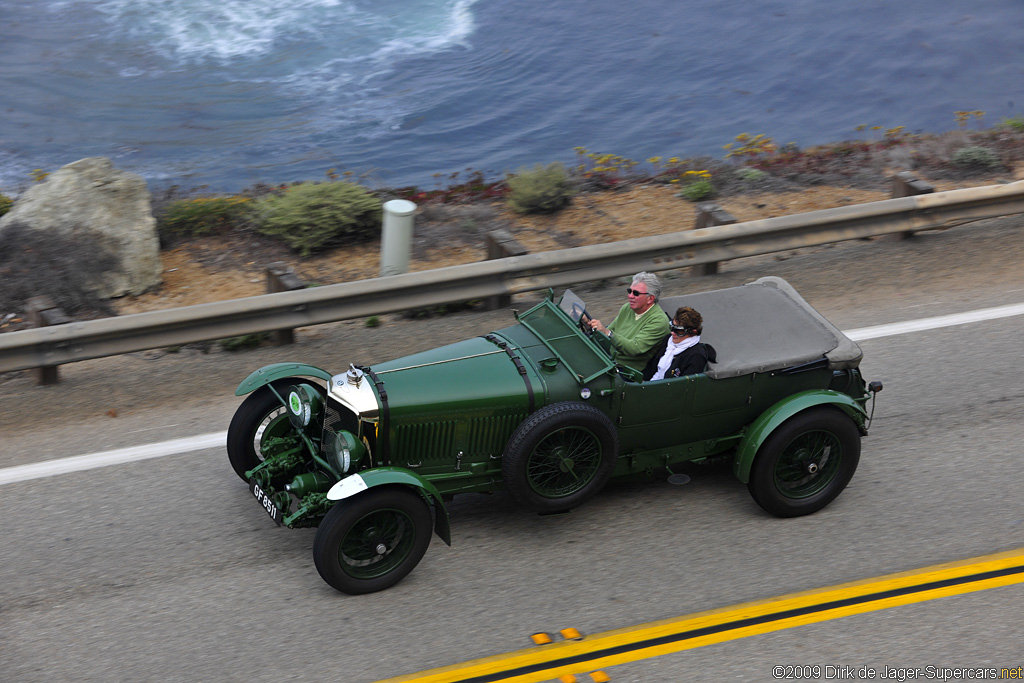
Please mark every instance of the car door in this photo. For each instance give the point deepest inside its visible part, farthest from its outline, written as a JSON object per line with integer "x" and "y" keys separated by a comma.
{"x": 683, "y": 410}
{"x": 652, "y": 414}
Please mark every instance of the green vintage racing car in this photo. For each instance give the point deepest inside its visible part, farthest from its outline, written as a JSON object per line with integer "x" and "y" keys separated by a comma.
{"x": 540, "y": 409}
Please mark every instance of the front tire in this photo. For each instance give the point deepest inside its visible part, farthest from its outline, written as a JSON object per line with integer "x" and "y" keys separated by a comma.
{"x": 560, "y": 456}
{"x": 261, "y": 415}
{"x": 372, "y": 541}
{"x": 804, "y": 464}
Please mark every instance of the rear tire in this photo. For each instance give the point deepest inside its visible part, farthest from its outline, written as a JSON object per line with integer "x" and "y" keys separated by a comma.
{"x": 804, "y": 464}
{"x": 372, "y": 541}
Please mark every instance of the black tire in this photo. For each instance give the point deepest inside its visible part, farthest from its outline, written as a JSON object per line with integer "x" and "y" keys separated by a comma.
{"x": 804, "y": 464}
{"x": 261, "y": 409}
{"x": 560, "y": 456}
{"x": 372, "y": 541}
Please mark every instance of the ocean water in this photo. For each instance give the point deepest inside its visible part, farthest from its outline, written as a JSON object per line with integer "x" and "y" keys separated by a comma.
{"x": 401, "y": 92}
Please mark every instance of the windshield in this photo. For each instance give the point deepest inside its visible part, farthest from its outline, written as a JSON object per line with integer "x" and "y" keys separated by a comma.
{"x": 576, "y": 309}
{"x": 558, "y": 328}
{"x": 573, "y": 306}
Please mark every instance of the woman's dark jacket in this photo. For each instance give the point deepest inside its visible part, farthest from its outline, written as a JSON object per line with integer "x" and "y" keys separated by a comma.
{"x": 690, "y": 362}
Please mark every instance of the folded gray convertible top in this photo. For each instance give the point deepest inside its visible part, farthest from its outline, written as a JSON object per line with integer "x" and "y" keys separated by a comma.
{"x": 765, "y": 325}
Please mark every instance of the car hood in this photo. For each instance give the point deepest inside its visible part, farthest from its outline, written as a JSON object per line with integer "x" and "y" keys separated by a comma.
{"x": 476, "y": 374}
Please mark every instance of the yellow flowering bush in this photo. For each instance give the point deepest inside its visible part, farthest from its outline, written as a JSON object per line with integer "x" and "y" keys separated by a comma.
{"x": 964, "y": 117}
{"x": 698, "y": 186}
{"x": 602, "y": 171}
{"x": 750, "y": 146}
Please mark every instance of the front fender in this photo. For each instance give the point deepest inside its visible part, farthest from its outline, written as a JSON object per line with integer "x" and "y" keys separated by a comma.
{"x": 769, "y": 420}
{"x": 269, "y": 373}
{"x": 384, "y": 476}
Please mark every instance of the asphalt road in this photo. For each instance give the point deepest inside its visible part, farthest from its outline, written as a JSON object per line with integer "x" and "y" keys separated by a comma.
{"x": 167, "y": 570}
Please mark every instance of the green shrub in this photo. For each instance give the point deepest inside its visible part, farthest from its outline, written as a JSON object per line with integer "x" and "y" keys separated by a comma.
{"x": 750, "y": 174}
{"x": 311, "y": 217}
{"x": 373, "y": 321}
{"x": 976, "y": 157}
{"x": 5, "y": 204}
{"x": 542, "y": 190}
{"x": 1016, "y": 123}
{"x": 698, "y": 190}
{"x": 192, "y": 217}
{"x": 245, "y": 341}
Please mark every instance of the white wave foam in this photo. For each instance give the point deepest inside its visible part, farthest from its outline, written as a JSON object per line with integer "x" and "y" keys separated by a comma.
{"x": 196, "y": 31}
{"x": 458, "y": 27}
{"x": 343, "y": 80}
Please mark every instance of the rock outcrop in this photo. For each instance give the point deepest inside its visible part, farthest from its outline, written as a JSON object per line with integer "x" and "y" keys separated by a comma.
{"x": 92, "y": 198}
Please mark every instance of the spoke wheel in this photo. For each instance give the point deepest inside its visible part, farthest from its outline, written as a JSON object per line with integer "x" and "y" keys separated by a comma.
{"x": 564, "y": 462}
{"x": 808, "y": 464}
{"x": 372, "y": 541}
{"x": 560, "y": 456}
{"x": 805, "y": 463}
{"x": 377, "y": 543}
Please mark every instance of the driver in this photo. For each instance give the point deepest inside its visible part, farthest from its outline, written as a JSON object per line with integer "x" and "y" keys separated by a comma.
{"x": 639, "y": 326}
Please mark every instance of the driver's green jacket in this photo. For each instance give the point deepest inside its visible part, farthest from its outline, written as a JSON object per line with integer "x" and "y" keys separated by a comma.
{"x": 634, "y": 338}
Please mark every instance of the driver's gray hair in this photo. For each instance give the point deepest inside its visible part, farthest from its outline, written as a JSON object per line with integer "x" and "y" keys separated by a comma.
{"x": 652, "y": 282}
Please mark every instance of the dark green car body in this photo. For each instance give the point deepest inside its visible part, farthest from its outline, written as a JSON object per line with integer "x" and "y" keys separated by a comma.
{"x": 541, "y": 409}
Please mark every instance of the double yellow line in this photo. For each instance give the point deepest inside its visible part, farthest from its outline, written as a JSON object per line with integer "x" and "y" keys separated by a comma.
{"x": 611, "y": 648}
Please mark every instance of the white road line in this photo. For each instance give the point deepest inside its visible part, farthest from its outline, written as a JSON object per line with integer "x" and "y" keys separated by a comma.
{"x": 120, "y": 456}
{"x": 49, "y": 468}
{"x": 923, "y": 324}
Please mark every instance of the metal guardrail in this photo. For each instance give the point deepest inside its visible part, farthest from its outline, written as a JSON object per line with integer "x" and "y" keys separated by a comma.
{"x": 76, "y": 341}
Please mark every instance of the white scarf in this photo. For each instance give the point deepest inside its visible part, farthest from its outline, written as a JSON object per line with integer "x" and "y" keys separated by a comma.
{"x": 671, "y": 351}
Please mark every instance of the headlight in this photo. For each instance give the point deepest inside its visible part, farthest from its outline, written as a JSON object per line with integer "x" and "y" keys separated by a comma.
{"x": 345, "y": 451}
{"x": 304, "y": 403}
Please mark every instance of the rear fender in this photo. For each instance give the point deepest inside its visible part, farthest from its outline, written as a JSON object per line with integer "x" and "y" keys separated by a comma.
{"x": 269, "y": 373}
{"x": 769, "y": 421}
{"x": 355, "y": 484}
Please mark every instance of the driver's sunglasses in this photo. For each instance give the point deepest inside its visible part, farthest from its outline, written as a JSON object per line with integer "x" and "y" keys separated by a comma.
{"x": 636, "y": 292}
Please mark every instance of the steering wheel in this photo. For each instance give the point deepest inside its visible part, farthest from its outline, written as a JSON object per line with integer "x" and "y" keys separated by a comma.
{"x": 585, "y": 324}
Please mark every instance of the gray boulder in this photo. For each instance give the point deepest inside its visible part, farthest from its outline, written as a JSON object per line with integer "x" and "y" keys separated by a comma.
{"x": 92, "y": 198}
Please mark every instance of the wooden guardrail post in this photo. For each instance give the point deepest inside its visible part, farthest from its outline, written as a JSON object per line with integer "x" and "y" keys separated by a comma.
{"x": 282, "y": 278}
{"x": 708, "y": 215}
{"x": 906, "y": 184}
{"x": 501, "y": 244}
{"x": 42, "y": 312}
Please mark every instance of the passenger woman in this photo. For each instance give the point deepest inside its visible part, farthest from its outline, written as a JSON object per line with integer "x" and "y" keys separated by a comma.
{"x": 681, "y": 352}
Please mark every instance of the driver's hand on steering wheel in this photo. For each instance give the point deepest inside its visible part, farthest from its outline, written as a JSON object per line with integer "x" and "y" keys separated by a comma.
{"x": 596, "y": 325}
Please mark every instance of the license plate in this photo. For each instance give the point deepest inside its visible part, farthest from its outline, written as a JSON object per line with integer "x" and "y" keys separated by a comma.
{"x": 265, "y": 501}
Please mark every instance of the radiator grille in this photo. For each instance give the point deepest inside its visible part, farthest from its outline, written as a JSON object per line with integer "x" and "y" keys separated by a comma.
{"x": 424, "y": 442}
{"x": 479, "y": 437}
{"x": 488, "y": 435}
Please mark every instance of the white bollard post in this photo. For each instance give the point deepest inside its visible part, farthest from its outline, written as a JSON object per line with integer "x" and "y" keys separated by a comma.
{"x": 396, "y": 237}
